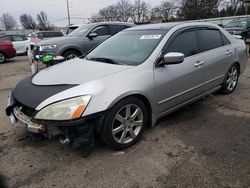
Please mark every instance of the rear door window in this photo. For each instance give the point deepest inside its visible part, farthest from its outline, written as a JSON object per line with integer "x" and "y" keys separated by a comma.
{"x": 56, "y": 34}
{"x": 39, "y": 35}
{"x": 117, "y": 28}
{"x": 46, "y": 35}
{"x": 185, "y": 43}
{"x": 101, "y": 30}
{"x": 209, "y": 39}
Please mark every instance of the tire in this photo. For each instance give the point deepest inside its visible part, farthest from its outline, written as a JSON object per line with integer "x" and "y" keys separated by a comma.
{"x": 231, "y": 80}
{"x": 124, "y": 124}
{"x": 71, "y": 54}
{"x": 2, "y": 58}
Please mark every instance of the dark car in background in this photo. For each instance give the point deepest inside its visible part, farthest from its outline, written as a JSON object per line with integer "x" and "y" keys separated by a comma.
{"x": 80, "y": 41}
{"x": 240, "y": 27}
{"x": 44, "y": 35}
{"x": 7, "y": 51}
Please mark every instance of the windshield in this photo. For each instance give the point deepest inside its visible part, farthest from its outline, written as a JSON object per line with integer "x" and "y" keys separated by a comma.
{"x": 237, "y": 23}
{"x": 80, "y": 31}
{"x": 128, "y": 47}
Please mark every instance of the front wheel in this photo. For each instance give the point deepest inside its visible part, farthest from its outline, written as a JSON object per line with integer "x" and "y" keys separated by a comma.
{"x": 124, "y": 123}
{"x": 2, "y": 58}
{"x": 71, "y": 54}
{"x": 231, "y": 79}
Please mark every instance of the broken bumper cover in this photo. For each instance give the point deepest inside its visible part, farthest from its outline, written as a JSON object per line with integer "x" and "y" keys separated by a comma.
{"x": 31, "y": 127}
{"x": 51, "y": 128}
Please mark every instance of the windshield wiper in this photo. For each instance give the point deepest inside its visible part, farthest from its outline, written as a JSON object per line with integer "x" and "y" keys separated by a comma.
{"x": 106, "y": 60}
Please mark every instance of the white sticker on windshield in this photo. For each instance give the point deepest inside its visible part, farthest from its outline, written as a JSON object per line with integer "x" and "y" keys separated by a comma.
{"x": 146, "y": 37}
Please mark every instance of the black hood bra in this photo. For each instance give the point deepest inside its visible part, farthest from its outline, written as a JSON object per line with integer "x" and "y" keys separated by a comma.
{"x": 32, "y": 95}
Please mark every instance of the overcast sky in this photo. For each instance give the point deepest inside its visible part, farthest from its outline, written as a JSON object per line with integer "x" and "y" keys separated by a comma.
{"x": 56, "y": 9}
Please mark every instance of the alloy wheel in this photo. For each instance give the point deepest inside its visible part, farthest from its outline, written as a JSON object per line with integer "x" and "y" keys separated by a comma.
{"x": 232, "y": 78}
{"x": 71, "y": 56}
{"x": 127, "y": 124}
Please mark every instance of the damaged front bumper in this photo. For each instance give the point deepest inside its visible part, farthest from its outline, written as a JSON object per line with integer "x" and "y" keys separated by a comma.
{"x": 15, "y": 114}
{"x": 77, "y": 132}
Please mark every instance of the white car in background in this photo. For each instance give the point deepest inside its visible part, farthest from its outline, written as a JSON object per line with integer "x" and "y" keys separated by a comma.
{"x": 20, "y": 42}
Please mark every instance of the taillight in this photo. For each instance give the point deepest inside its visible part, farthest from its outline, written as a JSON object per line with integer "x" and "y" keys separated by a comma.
{"x": 11, "y": 44}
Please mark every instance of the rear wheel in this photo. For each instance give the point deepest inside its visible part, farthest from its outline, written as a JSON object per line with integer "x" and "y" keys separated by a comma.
{"x": 124, "y": 124}
{"x": 231, "y": 79}
{"x": 71, "y": 54}
{"x": 2, "y": 58}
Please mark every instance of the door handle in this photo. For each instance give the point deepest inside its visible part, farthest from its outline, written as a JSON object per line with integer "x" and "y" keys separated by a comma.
{"x": 229, "y": 52}
{"x": 199, "y": 63}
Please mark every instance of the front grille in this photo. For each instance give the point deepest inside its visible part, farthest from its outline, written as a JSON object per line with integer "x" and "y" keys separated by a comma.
{"x": 26, "y": 110}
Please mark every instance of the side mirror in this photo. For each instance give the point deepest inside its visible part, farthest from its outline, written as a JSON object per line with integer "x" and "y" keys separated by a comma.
{"x": 92, "y": 35}
{"x": 173, "y": 58}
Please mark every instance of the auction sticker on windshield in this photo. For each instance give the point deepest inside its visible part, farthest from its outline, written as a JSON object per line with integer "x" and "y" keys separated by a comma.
{"x": 146, "y": 37}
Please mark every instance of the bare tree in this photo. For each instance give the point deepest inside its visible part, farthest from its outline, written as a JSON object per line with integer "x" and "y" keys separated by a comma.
{"x": 124, "y": 9}
{"x": 8, "y": 22}
{"x": 231, "y": 3}
{"x": 140, "y": 11}
{"x": 121, "y": 11}
{"x": 165, "y": 10}
{"x": 198, "y": 9}
{"x": 27, "y": 21}
{"x": 95, "y": 18}
{"x": 109, "y": 13}
{"x": 231, "y": 6}
{"x": 43, "y": 23}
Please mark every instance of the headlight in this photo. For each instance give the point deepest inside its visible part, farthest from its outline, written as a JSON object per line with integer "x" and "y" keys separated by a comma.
{"x": 65, "y": 110}
{"x": 48, "y": 47}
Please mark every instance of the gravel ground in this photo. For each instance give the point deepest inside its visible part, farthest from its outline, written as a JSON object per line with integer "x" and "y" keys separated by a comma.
{"x": 206, "y": 144}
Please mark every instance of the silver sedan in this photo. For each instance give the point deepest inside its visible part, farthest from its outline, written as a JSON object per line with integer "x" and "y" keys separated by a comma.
{"x": 128, "y": 82}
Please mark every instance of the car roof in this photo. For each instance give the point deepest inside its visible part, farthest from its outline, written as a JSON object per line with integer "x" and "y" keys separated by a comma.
{"x": 110, "y": 23}
{"x": 48, "y": 31}
{"x": 168, "y": 26}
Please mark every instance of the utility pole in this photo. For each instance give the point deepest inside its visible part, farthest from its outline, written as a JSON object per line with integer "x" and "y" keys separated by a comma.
{"x": 68, "y": 11}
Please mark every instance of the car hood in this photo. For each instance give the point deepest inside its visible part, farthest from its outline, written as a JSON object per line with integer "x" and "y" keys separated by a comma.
{"x": 57, "y": 40}
{"x": 76, "y": 71}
